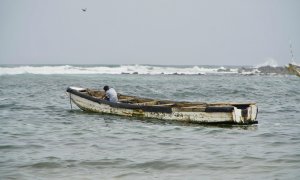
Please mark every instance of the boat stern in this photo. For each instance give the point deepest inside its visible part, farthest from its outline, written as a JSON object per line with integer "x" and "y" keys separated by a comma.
{"x": 245, "y": 115}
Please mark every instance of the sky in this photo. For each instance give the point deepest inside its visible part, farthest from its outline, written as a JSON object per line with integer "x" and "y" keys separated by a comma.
{"x": 158, "y": 32}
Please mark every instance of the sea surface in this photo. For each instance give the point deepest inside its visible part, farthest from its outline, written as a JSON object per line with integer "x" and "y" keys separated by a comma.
{"x": 41, "y": 137}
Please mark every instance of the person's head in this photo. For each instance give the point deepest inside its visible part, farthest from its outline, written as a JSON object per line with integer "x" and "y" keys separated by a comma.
{"x": 106, "y": 88}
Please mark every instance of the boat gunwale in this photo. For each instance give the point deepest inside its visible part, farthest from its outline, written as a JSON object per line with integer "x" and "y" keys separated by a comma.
{"x": 164, "y": 108}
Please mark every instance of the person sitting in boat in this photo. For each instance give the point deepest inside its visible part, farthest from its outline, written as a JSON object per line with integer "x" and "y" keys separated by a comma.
{"x": 110, "y": 94}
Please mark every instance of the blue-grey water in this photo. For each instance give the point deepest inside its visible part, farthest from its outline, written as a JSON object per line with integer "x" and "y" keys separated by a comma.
{"x": 41, "y": 138}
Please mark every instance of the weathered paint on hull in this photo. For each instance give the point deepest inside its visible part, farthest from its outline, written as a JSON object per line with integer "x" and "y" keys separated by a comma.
{"x": 234, "y": 117}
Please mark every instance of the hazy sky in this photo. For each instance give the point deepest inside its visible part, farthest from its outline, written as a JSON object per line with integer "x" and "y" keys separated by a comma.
{"x": 176, "y": 32}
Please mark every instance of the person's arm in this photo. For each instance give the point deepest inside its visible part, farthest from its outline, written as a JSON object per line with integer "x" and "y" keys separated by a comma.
{"x": 105, "y": 96}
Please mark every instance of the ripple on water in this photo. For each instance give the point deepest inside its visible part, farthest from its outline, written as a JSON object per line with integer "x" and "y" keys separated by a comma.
{"x": 8, "y": 105}
{"x": 104, "y": 163}
{"x": 52, "y": 139}
{"x": 44, "y": 165}
{"x": 156, "y": 165}
{"x": 52, "y": 158}
{"x": 264, "y": 135}
{"x": 12, "y": 147}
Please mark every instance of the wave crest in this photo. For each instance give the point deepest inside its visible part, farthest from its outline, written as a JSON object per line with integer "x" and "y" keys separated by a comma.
{"x": 101, "y": 69}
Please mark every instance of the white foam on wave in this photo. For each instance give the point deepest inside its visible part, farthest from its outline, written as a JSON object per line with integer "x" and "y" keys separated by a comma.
{"x": 65, "y": 69}
{"x": 268, "y": 62}
{"x": 122, "y": 69}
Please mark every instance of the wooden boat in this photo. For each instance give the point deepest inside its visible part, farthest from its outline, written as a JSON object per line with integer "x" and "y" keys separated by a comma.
{"x": 294, "y": 69}
{"x": 194, "y": 112}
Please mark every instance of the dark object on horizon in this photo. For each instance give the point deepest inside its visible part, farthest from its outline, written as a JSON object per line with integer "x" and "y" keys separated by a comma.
{"x": 84, "y": 9}
{"x": 274, "y": 70}
{"x": 264, "y": 70}
{"x": 294, "y": 69}
{"x": 223, "y": 70}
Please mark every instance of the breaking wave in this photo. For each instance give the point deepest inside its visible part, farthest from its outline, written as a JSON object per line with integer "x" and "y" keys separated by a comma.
{"x": 268, "y": 67}
{"x": 110, "y": 69}
{"x": 268, "y": 62}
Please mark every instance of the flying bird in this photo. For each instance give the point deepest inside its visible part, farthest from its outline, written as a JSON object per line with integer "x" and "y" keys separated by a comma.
{"x": 84, "y": 9}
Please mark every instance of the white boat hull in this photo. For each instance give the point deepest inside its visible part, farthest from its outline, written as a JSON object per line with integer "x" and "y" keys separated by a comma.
{"x": 235, "y": 116}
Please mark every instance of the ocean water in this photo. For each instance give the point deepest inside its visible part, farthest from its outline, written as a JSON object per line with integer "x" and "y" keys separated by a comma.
{"x": 42, "y": 138}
